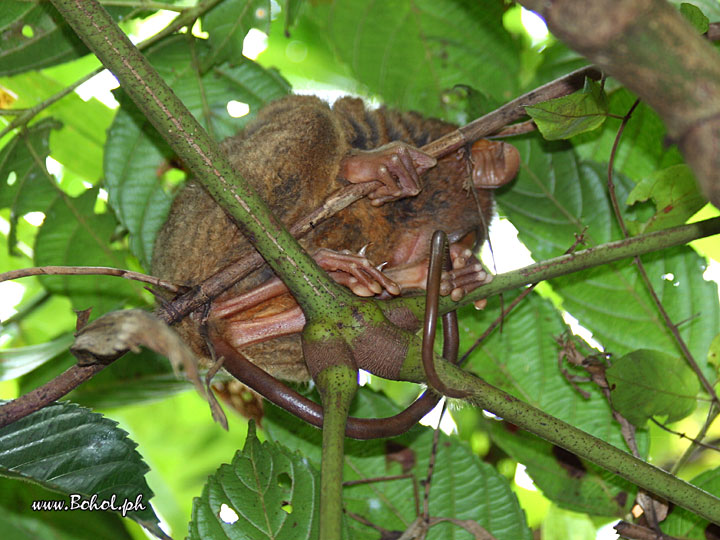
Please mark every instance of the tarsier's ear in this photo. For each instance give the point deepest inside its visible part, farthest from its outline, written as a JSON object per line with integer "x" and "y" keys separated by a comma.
{"x": 495, "y": 163}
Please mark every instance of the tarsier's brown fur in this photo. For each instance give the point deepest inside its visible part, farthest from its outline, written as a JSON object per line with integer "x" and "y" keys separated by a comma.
{"x": 292, "y": 154}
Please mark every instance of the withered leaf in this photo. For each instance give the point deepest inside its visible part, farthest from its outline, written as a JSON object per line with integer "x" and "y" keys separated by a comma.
{"x": 116, "y": 332}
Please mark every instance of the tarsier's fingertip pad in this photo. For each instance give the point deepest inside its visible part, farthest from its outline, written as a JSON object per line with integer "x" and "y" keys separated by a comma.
{"x": 457, "y": 295}
{"x": 480, "y": 304}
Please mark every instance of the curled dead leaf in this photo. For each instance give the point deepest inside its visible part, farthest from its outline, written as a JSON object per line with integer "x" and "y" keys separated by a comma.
{"x": 116, "y": 332}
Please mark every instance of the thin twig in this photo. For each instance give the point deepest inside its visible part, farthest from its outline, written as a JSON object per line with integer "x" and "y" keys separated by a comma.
{"x": 713, "y": 33}
{"x": 683, "y": 436}
{"x": 47, "y": 393}
{"x": 91, "y": 271}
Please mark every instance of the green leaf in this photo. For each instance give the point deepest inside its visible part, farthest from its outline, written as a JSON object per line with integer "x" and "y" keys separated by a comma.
{"x": 84, "y": 123}
{"x": 643, "y": 148}
{"x": 695, "y": 16}
{"x": 72, "y": 450}
{"x": 567, "y": 116}
{"x": 19, "y": 521}
{"x": 229, "y": 22}
{"x": 36, "y": 36}
{"x": 168, "y": 432}
{"x": 73, "y": 234}
{"x": 136, "y": 156}
{"x": 563, "y": 478}
{"x": 26, "y": 185}
{"x": 463, "y": 487}
{"x": 648, "y": 383}
{"x": 681, "y": 523}
{"x": 708, "y": 7}
{"x": 556, "y": 196}
{"x": 614, "y": 303}
{"x": 675, "y": 195}
{"x": 17, "y": 362}
{"x": 425, "y": 48}
{"x": 291, "y": 10}
{"x": 267, "y": 492}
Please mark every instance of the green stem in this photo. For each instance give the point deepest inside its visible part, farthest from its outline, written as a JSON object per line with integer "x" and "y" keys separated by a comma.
{"x": 313, "y": 288}
{"x": 582, "y": 444}
{"x": 337, "y": 385}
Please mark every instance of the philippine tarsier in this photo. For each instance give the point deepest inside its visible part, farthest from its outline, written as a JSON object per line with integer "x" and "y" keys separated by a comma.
{"x": 295, "y": 153}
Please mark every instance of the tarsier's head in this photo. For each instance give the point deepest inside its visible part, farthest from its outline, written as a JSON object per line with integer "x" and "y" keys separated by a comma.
{"x": 495, "y": 163}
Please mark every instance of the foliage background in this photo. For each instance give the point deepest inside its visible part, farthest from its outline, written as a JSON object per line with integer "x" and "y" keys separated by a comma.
{"x": 113, "y": 182}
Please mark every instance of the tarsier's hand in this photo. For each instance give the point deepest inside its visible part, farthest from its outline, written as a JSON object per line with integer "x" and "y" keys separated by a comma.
{"x": 397, "y": 165}
{"x": 355, "y": 272}
{"x": 466, "y": 276}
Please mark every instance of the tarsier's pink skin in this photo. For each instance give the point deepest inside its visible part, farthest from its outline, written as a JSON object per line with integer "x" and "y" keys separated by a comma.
{"x": 293, "y": 153}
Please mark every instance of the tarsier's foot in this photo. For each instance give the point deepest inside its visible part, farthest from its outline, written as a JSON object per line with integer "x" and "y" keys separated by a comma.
{"x": 467, "y": 275}
{"x": 355, "y": 272}
{"x": 397, "y": 165}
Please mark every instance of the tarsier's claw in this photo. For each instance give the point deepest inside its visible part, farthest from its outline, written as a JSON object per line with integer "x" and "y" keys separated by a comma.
{"x": 363, "y": 249}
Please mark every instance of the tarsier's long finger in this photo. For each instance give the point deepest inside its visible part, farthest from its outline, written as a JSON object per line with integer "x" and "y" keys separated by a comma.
{"x": 462, "y": 281}
{"x": 347, "y": 280}
{"x": 390, "y": 190}
{"x": 361, "y": 276}
{"x": 402, "y": 166}
{"x": 421, "y": 161}
{"x": 464, "y": 277}
{"x": 378, "y": 277}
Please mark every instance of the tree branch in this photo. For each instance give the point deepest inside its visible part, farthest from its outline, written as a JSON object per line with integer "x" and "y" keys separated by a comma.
{"x": 90, "y": 271}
